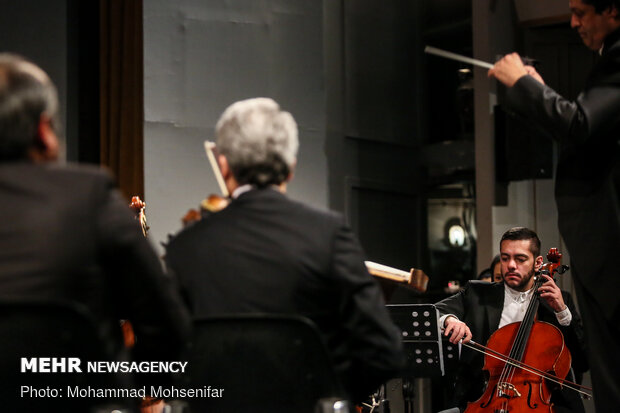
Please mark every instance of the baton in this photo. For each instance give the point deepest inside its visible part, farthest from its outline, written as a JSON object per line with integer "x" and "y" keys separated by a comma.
{"x": 458, "y": 57}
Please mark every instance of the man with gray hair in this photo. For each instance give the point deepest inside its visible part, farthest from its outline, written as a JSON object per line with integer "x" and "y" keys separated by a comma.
{"x": 258, "y": 143}
{"x": 267, "y": 253}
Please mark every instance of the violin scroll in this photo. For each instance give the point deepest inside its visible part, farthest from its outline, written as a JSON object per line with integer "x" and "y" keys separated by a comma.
{"x": 138, "y": 206}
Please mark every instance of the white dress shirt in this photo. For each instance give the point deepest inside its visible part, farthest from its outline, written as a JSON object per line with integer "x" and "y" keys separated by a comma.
{"x": 515, "y": 306}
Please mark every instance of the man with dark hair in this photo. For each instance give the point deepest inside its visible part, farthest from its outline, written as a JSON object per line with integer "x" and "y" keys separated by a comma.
{"x": 485, "y": 275}
{"x": 481, "y": 308}
{"x": 65, "y": 233}
{"x": 269, "y": 254}
{"x": 587, "y": 186}
{"x": 496, "y": 269}
{"x": 522, "y": 234}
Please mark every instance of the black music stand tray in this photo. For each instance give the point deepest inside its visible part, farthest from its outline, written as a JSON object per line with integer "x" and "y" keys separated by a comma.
{"x": 427, "y": 355}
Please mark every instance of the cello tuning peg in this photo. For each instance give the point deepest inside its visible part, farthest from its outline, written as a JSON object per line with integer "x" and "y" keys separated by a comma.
{"x": 562, "y": 269}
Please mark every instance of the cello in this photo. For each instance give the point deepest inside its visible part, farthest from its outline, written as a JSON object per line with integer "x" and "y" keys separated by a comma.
{"x": 521, "y": 358}
{"x": 213, "y": 203}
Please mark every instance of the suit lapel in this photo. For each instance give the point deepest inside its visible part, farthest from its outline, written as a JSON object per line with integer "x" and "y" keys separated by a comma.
{"x": 495, "y": 306}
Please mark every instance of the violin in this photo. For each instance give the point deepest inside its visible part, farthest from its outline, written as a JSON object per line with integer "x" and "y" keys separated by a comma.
{"x": 138, "y": 206}
{"x": 213, "y": 203}
{"x": 147, "y": 404}
{"x": 522, "y": 358}
{"x": 210, "y": 205}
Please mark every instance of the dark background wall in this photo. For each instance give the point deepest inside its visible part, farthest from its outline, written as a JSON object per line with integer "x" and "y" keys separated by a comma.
{"x": 39, "y": 30}
{"x": 62, "y": 37}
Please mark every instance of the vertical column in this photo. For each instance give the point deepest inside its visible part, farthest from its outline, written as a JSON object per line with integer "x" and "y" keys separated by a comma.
{"x": 484, "y": 143}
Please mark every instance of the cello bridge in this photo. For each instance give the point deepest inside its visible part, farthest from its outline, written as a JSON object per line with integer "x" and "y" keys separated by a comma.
{"x": 507, "y": 390}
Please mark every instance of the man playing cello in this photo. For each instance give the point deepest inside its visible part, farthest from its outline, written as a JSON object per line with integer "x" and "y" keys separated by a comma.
{"x": 482, "y": 308}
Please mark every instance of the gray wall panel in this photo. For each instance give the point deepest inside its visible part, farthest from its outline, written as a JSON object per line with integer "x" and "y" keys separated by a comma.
{"x": 200, "y": 56}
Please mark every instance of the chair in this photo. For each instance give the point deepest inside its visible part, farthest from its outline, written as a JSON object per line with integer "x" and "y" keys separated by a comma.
{"x": 260, "y": 363}
{"x": 36, "y": 329}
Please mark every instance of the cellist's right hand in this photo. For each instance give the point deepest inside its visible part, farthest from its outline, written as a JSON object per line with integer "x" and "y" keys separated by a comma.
{"x": 457, "y": 330}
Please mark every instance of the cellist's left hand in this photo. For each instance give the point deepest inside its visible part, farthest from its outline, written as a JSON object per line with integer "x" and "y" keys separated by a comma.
{"x": 552, "y": 294}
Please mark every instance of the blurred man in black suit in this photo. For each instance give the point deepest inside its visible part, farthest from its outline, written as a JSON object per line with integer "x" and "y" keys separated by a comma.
{"x": 65, "y": 233}
{"x": 268, "y": 253}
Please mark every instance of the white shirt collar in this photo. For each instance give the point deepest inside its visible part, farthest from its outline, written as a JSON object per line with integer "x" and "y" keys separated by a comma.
{"x": 247, "y": 188}
{"x": 518, "y": 296}
{"x": 241, "y": 190}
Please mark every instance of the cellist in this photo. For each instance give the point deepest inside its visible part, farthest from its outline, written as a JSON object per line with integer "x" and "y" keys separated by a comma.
{"x": 482, "y": 308}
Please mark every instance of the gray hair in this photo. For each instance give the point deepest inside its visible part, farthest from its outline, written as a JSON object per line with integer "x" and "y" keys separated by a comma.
{"x": 259, "y": 141}
{"x": 26, "y": 93}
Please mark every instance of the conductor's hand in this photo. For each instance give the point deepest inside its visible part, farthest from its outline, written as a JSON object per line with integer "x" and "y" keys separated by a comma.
{"x": 509, "y": 69}
{"x": 551, "y": 293}
{"x": 457, "y": 330}
{"x": 532, "y": 72}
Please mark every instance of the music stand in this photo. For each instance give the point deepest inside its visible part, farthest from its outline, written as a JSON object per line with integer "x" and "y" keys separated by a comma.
{"x": 427, "y": 355}
{"x": 421, "y": 338}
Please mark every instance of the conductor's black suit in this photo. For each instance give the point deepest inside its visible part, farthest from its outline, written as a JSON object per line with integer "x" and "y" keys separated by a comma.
{"x": 587, "y": 193}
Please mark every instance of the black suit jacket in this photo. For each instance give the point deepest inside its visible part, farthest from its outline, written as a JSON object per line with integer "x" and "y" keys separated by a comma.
{"x": 66, "y": 235}
{"x": 480, "y": 305}
{"x": 587, "y": 184}
{"x": 587, "y": 191}
{"x": 267, "y": 253}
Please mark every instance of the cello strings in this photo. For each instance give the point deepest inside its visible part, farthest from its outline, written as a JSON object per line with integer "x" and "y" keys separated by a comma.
{"x": 520, "y": 342}
{"x": 515, "y": 363}
{"x": 508, "y": 370}
{"x": 479, "y": 347}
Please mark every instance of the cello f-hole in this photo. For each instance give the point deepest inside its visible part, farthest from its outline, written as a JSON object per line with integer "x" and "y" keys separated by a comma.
{"x": 483, "y": 404}
{"x": 529, "y": 396}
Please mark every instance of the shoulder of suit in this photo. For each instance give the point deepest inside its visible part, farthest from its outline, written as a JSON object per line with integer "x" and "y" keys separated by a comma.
{"x": 479, "y": 285}
{"x": 80, "y": 172}
{"x": 311, "y": 210}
